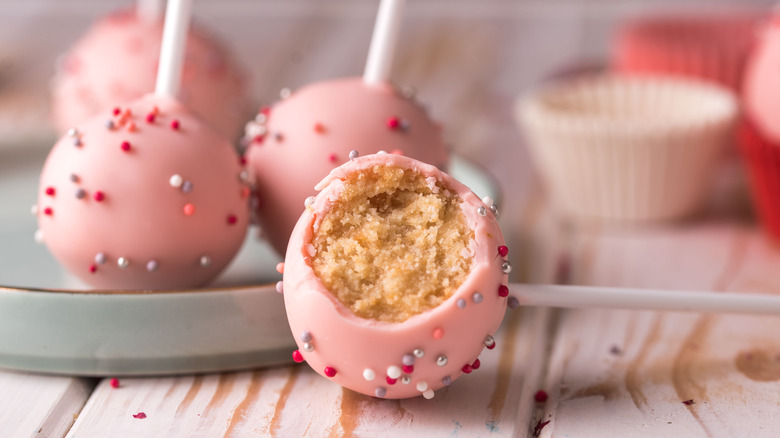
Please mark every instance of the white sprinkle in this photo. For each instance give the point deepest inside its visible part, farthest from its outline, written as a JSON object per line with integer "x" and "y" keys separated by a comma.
{"x": 381, "y": 153}
{"x": 428, "y": 394}
{"x": 284, "y": 93}
{"x": 205, "y": 261}
{"x": 176, "y": 181}
{"x": 369, "y": 374}
{"x": 34, "y": 210}
{"x": 422, "y": 385}
{"x": 73, "y": 132}
{"x": 151, "y": 265}
{"x": 309, "y": 201}
{"x": 261, "y": 118}
{"x": 487, "y": 200}
{"x": 122, "y": 262}
{"x": 393, "y": 372}
{"x": 280, "y": 287}
{"x": 100, "y": 258}
{"x": 38, "y": 236}
{"x": 353, "y": 154}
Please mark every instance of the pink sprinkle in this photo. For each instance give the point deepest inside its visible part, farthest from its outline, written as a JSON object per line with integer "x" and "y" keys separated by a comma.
{"x": 232, "y": 219}
{"x": 438, "y": 333}
{"x": 50, "y": 191}
{"x": 319, "y": 128}
{"x": 265, "y": 110}
{"x": 150, "y": 117}
{"x": 298, "y": 357}
{"x": 131, "y": 126}
{"x": 125, "y": 146}
{"x": 393, "y": 122}
{"x": 175, "y": 125}
{"x": 99, "y": 196}
{"x": 127, "y": 112}
{"x": 503, "y": 250}
{"x": 259, "y": 139}
{"x": 245, "y": 192}
{"x": 333, "y": 158}
{"x": 155, "y": 110}
{"x": 503, "y": 291}
{"x": 280, "y": 267}
{"x": 188, "y": 209}
{"x": 396, "y": 152}
{"x": 390, "y": 381}
{"x": 408, "y": 369}
{"x": 476, "y": 364}
{"x": 330, "y": 371}
{"x": 48, "y": 211}
{"x": 117, "y": 111}
{"x": 467, "y": 369}
{"x": 114, "y": 382}
{"x": 92, "y": 268}
{"x": 139, "y": 415}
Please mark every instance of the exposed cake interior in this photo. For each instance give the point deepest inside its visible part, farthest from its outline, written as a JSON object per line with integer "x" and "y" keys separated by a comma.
{"x": 394, "y": 245}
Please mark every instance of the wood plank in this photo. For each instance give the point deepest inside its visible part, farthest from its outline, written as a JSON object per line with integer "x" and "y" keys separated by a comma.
{"x": 36, "y": 405}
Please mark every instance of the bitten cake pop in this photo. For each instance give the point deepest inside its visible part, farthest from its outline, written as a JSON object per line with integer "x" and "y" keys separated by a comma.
{"x": 295, "y": 143}
{"x": 395, "y": 279}
{"x": 145, "y": 196}
{"x": 116, "y": 62}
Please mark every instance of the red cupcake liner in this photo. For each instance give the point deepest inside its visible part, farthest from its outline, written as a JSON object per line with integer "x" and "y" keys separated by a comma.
{"x": 762, "y": 159}
{"x": 710, "y": 48}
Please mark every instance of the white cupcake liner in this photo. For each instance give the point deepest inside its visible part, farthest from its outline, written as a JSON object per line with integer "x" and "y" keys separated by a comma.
{"x": 635, "y": 148}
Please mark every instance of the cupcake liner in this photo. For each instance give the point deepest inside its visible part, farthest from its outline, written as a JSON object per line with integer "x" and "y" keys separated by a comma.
{"x": 627, "y": 148}
{"x": 713, "y": 48}
{"x": 762, "y": 159}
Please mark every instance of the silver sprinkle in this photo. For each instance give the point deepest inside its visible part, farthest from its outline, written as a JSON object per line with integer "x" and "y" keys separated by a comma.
{"x": 73, "y": 132}
{"x": 380, "y": 391}
{"x": 308, "y": 346}
{"x": 100, "y": 258}
{"x": 284, "y": 93}
{"x": 406, "y": 379}
{"x": 489, "y": 340}
{"x": 74, "y": 178}
{"x": 123, "y": 262}
{"x": 186, "y": 186}
{"x": 461, "y": 303}
{"x": 280, "y": 287}
{"x": 418, "y": 353}
{"x": 494, "y": 209}
{"x": 151, "y": 265}
{"x": 109, "y": 124}
{"x": 80, "y": 193}
{"x": 408, "y": 359}
{"x": 476, "y": 297}
{"x": 481, "y": 210}
{"x": 205, "y": 261}
{"x": 306, "y": 336}
{"x": 441, "y": 360}
{"x": 353, "y": 154}
{"x": 446, "y": 381}
{"x": 76, "y": 141}
{"x": 513, "y": 303}
{"x": 506, "y": 267}
{"x": 405, "y": 125}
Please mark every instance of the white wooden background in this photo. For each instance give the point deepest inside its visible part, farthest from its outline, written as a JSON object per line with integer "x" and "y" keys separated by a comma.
{"x": 607, "y": 373}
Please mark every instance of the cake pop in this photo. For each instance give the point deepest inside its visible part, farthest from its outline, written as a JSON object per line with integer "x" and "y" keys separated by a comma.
{"x": 116, "y": 62}
{"x": 145, "y": 196}
{"x": 395, "y": 278}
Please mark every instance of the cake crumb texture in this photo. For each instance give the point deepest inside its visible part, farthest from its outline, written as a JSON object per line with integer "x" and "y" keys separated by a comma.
{"x": 395, "y": 244}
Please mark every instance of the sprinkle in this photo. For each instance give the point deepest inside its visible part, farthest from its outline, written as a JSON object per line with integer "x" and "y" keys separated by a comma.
{"x": 125, "y": 146}
{"x": 261, "y": 118}
{"x": 540, "y": 396}
{"x": 405, "y": 125}
{"x": 494, "y": 209}
{"x": 393, "y": 122}
{"x": 490, "y": 343}
{"x": 150, "y": 118}
{"x": 48, "y": 211}
{"x": 245, "y": 192}
{"x": 306, "y": 336}
{"x": 503, "y": 291}
{"x": 127, "y": 112}
{"x": 487, "y": 200}
{"x": 284, "y": 93}
{"x": 406, "y": 380}
{"x": 476, "y": 297}
{"x": 155, "y": 110}
{"x": 109, "y": 126}
{"x": 369, "y": 374}
{"x": 38, "y": 236}
{"x": 100, "y": 258}
{"x": 476, "y": 364}
{"x": 688, "y": 402}
{"x": 205, "y": 261}
{"x": 114, "y": 382}
{"x": 280, "y": 267}
{"x": 117, "y": 111}
{"x": 34, "y": 210}
{"x": 418, "y": 353}
{"x": 441, "y": 360}
{"x": 243, "y": 175}
{"x": 74, "y": 178}
{"x": 422, "y": 385}
{"x": 99, "y": 196}
{"x": 123, "y": 262}
{"x": 615, "y": 350}
{"x": 390, "y": 381}
{"x": 513, "y": 303}
{"x": 330, "y": 371}
{"x": 438, "y": 333}
{"x": 393, "y": 372}
{"x": 503, "y": 250}
{"x": 80, "y": 193}
{"x": 428, "y": 394}
{"x": 461, "y": 303}
{"x": 188, "y": 209}
{"x": 408, "y": 359}
{"x": 73, "y": 132}
{"x": 280, "y": 287}
{"x": 381, "y": 153}
{"x": 353, "y": 154}
{"x": 308, "y": 346}
{"x": 279, "y": 137}
{"x": 175, "y": 124}
{"x": 308, "y": 202}
{"x": 131, "y": 126}
{"x": 151, "y": 265}
{"x": 176, "y": 180}
{"x": 50, "y": 191}
{"x": 333, "y": 158}
{"x": 446, "y": 380}
{"x": 319, "y": 128}
{"x": 92, "y": 269}
{"x": 232, "y": 219}
{"x": 506, "y": 267}
{"x": 380, "y": 391}
{"x": 139, "y": 415}
{"x": 297, "y": 356}
{"x": 186, "y": 186}
{"x": 77, "y": 142}
{"x": 408, "y": 369}
{"x": 481, "y": 210}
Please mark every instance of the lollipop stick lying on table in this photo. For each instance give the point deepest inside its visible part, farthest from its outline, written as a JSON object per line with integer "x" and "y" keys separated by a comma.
{"x": 643, "y": 299}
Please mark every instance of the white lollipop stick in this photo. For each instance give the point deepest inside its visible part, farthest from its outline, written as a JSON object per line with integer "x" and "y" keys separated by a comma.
{"x": 386, "y": 29}
{"x": 643, "y": 299}
{"x": 149, "y": 10}
{"x": 177, "y": 23}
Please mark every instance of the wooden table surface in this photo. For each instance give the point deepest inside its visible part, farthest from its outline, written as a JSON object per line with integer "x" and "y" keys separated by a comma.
{"x": 605, "y": 372}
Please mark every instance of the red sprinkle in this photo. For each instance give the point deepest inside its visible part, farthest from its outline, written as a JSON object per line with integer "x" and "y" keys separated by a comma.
{"x": 265, "y": 110}
{"x": 540, "y": 396}
{"x": 333, "y": 158}
{"x": 245, "y": 192}
{"x": 125, "y": 146}
{"x": 150, "y": 117}
{"x": 319, "y": 128}
{"x": 476, "y": 364}
{"x": 330, "y": 371}
{"x": 117, "y": 111}
{"x": 390, "y": 381}
{"x": 92, "y": 268}
{"x": 99, "y": 196}
{"x": 139, "y": 415}
{"x": 48, "y": 211}
{"x": 188, "y": 209}
{"x": 114, "y": 382}
{"x": 503, "y": 250}
{"x": 467, "y": 369}
{"x": 408, "y": 369}
{"x": 491, "y": 346}
{"x": 231, "y": 219}
{"x": 50, "y": 191}
{"x": 297, "y": 356}
{"x": 503, "y": 291}
{"x": 393, "y": 122}
{"x": 175, "y": 125}
{"x": 688, "y": 402}
{"x": 242, "y": 160}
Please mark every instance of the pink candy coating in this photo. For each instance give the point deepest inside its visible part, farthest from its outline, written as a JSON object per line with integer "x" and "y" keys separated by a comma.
{"x": 314, "y": 130}
{"x": 360, "y": 348}
{"x": 116, "y": 62}
{"x": 133, "y": 213}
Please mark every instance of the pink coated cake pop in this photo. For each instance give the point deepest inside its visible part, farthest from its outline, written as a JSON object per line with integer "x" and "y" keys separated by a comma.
{"x": 116, "y": 62}
{"x": 295, "y": 143}
{"x": 145, "y": 196}
{"x": 395, "y": 278}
